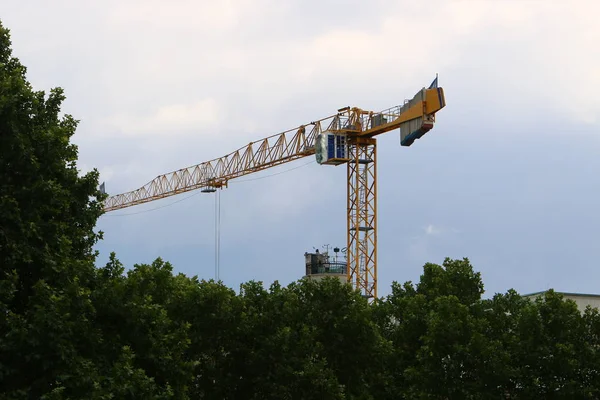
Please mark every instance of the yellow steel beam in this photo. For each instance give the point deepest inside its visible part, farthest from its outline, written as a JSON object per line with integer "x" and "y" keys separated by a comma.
{"x": 361, "y": 250}
{"x": 371, "y": 122}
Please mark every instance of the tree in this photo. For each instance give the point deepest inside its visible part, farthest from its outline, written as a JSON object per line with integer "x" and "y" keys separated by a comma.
{"x": 551, "y": 350}
{"x": 345, "y": 332}
{"x": 47, "y": 215}
{"x": 435, "y": 331}
{"x": 137, "y": 324}
{"x": 449, "y": 343}
{"x": 274, "y": 352}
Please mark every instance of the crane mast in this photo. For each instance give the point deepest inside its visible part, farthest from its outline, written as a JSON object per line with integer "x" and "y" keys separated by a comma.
{"x": 347, "y": 137}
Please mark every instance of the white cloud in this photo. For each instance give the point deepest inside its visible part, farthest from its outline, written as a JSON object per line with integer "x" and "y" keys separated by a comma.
{"x": 432, "y": 230}
{"x": 177, "y": 14}
{"x": 515, "y": 56}
{"x": 435, "y": 230}
{"x": 255, "y": 57}
{"x": 169, "y": 120}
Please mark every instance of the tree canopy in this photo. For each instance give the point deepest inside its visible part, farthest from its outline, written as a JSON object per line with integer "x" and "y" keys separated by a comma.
{"x": 70, "y": 329}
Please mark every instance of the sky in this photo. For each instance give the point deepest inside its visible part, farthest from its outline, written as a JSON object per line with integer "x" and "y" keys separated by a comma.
{"x": 508, "y": 177}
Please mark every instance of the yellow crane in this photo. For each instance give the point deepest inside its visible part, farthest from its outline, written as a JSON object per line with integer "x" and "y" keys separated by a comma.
{"x": 347, "y": 137}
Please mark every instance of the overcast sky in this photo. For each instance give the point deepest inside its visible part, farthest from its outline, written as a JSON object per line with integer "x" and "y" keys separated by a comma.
{"x": 508, "y": 177}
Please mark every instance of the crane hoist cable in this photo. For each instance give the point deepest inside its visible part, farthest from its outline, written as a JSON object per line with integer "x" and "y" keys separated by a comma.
{"x": 217, "y": 235}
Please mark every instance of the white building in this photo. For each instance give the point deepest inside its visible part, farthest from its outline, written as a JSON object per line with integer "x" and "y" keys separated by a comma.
{"x": 581, "y": 299}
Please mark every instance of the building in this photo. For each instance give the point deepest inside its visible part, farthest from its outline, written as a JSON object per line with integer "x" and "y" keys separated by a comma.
{"x": 581, "y": 299}
{"x": 320, "y": 265}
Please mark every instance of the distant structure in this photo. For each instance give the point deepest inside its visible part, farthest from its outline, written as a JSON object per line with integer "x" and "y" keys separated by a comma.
{"x": 320, "y": 265}
{"x": 581, "y": 299}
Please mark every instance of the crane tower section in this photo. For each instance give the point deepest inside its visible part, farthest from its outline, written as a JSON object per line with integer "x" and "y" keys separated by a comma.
{"x": 352, "y": 141}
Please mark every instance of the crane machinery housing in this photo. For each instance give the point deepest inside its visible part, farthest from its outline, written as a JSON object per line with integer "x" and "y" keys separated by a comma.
{"x": 347, "y": 137}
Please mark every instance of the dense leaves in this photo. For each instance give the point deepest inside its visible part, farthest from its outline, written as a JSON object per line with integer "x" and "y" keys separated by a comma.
{"x": 70, "y": 330}
{"x": 47, "y": 215}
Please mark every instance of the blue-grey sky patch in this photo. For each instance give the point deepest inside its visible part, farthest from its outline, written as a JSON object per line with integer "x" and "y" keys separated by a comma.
{"x": 508, "y": 177}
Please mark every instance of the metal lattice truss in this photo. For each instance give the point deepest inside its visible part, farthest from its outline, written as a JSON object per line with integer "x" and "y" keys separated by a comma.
{"x": 269, "y": 152}
{"x": 256, "y": 156}
{"x": 362, "y": 217}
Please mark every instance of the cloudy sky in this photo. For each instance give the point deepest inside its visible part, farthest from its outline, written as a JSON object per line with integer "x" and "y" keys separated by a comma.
{"x": 509, "y": 177}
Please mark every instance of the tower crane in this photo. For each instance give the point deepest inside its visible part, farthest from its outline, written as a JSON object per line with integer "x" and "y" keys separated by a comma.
{"x": 347, "y": 137}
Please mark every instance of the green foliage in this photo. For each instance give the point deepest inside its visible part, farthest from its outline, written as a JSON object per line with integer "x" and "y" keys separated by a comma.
{"x": 47, "y": 216}
{"x": 71, "y": 330}
{"x": 448, "y": 343}
{"x": 133, "y": 311}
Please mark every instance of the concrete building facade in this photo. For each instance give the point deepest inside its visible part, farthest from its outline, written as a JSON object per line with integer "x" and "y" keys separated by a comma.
{"x": 581, "y": 299}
